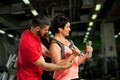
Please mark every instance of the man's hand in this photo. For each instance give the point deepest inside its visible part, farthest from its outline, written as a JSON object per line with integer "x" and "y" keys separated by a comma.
{"x": 68, "y": 65}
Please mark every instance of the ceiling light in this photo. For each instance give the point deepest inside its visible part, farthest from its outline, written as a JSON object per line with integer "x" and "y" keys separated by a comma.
{"x": 98, "y": 6}
{"x": 116, "y": 36}
{"x": 89, "y": 29}
{"x": 34, "y": 12}
{"x": 10, "y": 35}
{"x": 87, "y": 33}
{"x": 94, "y": 16}
{"x": 86, "y": 36}
{"x": 85, "y": 39}
{"x": 26, "y": 2}
{"x": 91, "y": 23}
{"x": 2, "y": 32}
{"x": 49, "y": 32}
{"x": 119, "y": 33}
{"x": 51, "y": 36}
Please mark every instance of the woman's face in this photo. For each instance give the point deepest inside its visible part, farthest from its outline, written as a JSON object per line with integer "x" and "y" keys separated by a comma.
{"x": 66, "y": 30}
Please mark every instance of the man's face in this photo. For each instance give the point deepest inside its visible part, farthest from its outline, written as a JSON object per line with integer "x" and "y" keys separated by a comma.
{"x": 43, "y": 31}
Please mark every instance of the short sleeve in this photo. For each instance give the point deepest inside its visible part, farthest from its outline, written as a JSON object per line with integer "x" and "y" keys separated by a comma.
{"x": 31, "y": 51}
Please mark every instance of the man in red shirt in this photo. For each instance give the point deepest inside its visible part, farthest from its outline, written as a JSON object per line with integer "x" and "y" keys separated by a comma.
{"x": 30, "y": 60}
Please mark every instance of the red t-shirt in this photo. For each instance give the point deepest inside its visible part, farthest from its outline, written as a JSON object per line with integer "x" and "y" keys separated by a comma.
{"x": 29, "y": 51}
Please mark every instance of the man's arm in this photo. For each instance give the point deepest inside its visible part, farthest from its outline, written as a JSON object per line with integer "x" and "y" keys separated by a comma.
{"x": 50, "y": 66}
{"x": 45, "y": 51}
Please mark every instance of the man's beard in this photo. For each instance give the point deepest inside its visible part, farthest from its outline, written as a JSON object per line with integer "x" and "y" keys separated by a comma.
{"x": 42, "y": 35}
{"x": 39, "y": 33}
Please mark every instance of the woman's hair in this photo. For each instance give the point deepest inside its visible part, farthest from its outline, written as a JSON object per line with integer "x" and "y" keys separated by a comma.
{"x": 40, "y": 20}
{"x": 59, "y": 22}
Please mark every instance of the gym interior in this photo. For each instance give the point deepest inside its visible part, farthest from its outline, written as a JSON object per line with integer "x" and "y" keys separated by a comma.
{"x": 94, "y": 20}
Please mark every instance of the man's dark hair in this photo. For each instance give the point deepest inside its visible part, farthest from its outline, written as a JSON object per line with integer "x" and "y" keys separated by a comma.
{"x": 59, "y": 22}
{"x": 40, "y": 20}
